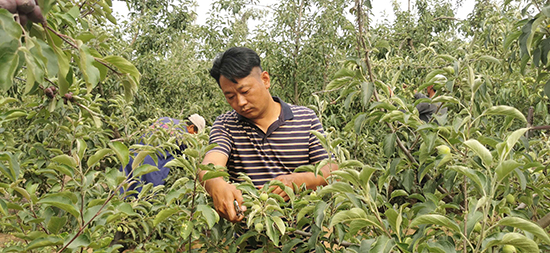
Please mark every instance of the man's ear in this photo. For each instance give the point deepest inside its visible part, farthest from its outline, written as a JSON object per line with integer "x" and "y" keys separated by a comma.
{"x": 266, "y": 79}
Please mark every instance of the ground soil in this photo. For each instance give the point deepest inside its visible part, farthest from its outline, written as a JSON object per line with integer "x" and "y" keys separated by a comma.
{"x": 7, "y": 238}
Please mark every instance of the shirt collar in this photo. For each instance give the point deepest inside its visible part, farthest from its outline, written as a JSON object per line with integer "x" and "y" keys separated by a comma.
{"x": 286, "y": 112}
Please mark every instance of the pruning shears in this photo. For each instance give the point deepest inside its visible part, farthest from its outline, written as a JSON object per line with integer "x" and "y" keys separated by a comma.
{"x": 237, "y": 208}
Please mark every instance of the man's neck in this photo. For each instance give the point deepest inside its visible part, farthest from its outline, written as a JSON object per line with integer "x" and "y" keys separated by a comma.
{"x": 271, "y": 115}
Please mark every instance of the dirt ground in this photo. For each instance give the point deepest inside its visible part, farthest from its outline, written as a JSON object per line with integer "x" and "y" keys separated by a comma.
{"x": 6, "y": 238}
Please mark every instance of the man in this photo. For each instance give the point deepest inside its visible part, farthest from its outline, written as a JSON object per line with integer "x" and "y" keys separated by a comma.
{"x": 426, "y": 110}
{"x": 263, "y": 136}
{"x": 193, "y": 125}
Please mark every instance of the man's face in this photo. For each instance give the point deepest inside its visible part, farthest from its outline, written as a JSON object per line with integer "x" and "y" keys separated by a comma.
{"x": 249, "y": 96}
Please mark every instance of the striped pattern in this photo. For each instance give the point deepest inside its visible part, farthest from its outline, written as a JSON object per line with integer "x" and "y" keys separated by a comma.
{"x": 287, "y": 144}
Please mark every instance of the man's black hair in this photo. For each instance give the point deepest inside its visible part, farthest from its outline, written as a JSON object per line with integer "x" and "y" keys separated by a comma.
{"x": 236, "y": 62}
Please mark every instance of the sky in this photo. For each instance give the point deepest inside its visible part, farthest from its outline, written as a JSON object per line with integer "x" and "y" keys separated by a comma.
{"x": 380, "y": 8}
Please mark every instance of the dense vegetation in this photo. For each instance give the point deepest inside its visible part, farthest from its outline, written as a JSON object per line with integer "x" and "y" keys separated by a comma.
{"x": 80, "y": 88}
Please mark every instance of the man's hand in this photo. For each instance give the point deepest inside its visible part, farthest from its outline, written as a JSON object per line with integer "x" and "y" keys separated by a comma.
{"x": 224, "y": 194}
{"x": 286, "y": 180}
{"x": 308, "y": 178}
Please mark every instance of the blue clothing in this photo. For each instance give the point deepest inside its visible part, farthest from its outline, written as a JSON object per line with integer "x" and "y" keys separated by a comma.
{"x": 156, "y": 177}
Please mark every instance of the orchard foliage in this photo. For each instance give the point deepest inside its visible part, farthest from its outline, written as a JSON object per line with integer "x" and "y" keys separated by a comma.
{"x": 80, "y": 88}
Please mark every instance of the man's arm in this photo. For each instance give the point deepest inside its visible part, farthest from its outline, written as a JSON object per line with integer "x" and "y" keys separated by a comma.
{"x": 308, "y": 178}
{"x": 223, "y": 193}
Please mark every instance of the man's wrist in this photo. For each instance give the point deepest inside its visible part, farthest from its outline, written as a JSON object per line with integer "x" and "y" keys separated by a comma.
{"x": 208, "y": 184}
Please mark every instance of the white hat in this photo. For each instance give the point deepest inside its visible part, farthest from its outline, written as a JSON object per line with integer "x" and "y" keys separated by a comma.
{"x": 198, "y": 121}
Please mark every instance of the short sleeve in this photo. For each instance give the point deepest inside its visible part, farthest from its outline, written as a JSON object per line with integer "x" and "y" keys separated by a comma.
{"x": 220, "y": 135}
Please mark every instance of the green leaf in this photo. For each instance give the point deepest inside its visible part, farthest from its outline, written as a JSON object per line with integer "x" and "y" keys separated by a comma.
{"x": 3, "y": 207}
{"x": 214, "y": 174}
{"x": 89, "y": 71}
{"x": 9, "y": 60}
{"x": 471, "y": 79}
{"x": 389, "y": 144}
{"x": 367, "y": 91}
{"x": 383, "y": 244}
{"x": 481, "y": 151}
{"x": 270, "y": 231}
{"x": 289, "y": 246}
{"x": 366, "y": 173}
{"x": 430, "y": 76}
{"x": 44, "y": 242}
{"x": 506, "y": 111}
{"x": 280, "y": 224}
{"x": 350, "y": 164}
{"x": 209, "y": 214}
{"x": 445, "y": 99}
{"x": 338, "y": 187}
{"x": 121, "y": 152}
{"x": 163, "y": 215}
{"x": 62, "y": 203}
{"x": 435, "y": 219}
{"x": 470, "y": 174}
{"x": 547, "y": 89}
{"x": 123, "y": 66}
{"x": 527, "y": 226}
{"x": 56, "y": 224}
{"x": 13, "y": 170}
{"x": 140, "y": 157}
{"x": 144, "y": 169}
{"x": 517, "y": 240}
{"x": 505, "y": 167}
{"x": 186, "y": 229}
{"x": 66, "y": 160}
{"x": 354, "y": 214}
{"x": 447, "y": 57}
{"x": 514, "y": 137}
{"x": 490, "y": 59}
{"x": 95, "y": 158}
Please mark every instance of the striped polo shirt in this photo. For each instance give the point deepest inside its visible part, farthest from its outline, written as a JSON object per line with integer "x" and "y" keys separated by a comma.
{"x": 287, "y": 144}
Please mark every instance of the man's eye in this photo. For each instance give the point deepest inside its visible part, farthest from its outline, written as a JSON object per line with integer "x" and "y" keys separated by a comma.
{"x": 230, "y": 97}
{"x": 245, "y": 92}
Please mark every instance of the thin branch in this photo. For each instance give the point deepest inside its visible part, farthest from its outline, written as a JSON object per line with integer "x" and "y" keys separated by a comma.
{"x": 107, "y": 65}
{"x": 82, "y": 5}
{"x": 446, "y": 18}
{"x": 62, "y": 36}
{"x": 343, "y": 243}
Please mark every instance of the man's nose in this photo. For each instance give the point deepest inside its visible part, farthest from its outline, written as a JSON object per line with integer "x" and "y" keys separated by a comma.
{"x": 241, "y": 100}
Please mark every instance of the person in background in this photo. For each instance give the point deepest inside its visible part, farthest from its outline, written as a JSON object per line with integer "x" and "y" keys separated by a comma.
{"x": 262, "y": 136}
{"x": 426, "y": 110}
{"x": 194, "y": 124}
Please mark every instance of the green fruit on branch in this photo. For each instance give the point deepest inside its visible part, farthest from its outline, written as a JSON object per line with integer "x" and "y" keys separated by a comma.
{"x": 259, "y": 227}
{"x": 256, "y": 208}
{"x": 36, "y": 15}
{"x": 477, "y": 227}
{"x": 25, "y": 6}
{"x": 263, "y": 196}
{"x": 443, "y": 150}
{"x": 509, "y": 249}
{"x": 9, "y": 5}
{"x": 510, "y": 199}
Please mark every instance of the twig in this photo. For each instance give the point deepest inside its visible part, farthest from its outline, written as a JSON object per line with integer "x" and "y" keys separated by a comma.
{"x": 82, "y": 5}
{"x": 447, "y": 18}
{"x": 72, "y": 44}
{"x": 107, "y": 65}
{"x": 343, "y": 243}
